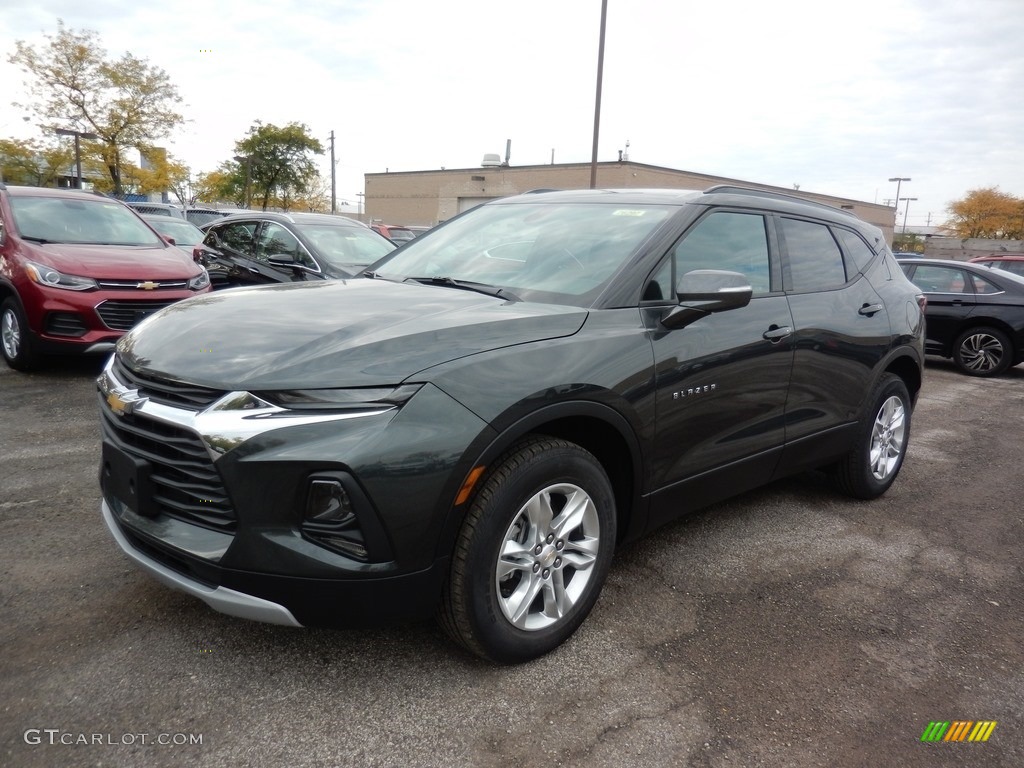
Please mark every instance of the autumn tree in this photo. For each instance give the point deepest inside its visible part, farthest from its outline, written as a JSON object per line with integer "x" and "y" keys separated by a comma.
{"x": 227, "y": 183}
{"x": 276, "y": 163}
{"x": 987, "y": 213}
{"x": 127, "y": 102}
{"x": 34, "y": 163}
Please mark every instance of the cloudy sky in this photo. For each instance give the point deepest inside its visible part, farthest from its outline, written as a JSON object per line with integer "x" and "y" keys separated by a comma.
{"x": 835, "y": 97}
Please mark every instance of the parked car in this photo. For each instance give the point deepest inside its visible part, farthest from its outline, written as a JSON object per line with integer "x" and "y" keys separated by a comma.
{"x": 1009, "y": 262}
{"x": 262, "y": 247}
{"x": 472, "y": 429}
{"x": 185, "y": 234}
{"x": 77, "y": 270}
{"x": 397, "y": 235}
{"x": 975, "y": 314}
{"x": 157, "y": 209}
{"x": 200, "y": 216}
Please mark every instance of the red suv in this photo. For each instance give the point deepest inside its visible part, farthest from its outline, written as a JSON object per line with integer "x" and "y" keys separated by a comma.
{"x": 397, "y": 235}
{"x": 1010, "y": 262}
{"x": 77, "y": 270}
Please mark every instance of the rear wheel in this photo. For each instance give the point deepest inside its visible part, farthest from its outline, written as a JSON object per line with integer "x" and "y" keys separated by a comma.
{"x": 983, "y": 352}
{"x": 16, "y": 343}
{"x": 883, "y": 436}
{"x": 532, "y": 554}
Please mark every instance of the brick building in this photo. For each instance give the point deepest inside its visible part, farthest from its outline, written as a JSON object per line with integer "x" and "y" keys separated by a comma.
{"x": 430, "y": 197}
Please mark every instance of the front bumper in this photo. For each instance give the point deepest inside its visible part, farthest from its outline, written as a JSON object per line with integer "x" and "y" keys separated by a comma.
{"x": 221, "y": 599}
{"x": 210, "y": 498}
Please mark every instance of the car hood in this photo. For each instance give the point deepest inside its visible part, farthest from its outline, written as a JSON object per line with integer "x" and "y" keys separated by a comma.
{"x": 116, "y": 262}
{"x": 334, "y": 334}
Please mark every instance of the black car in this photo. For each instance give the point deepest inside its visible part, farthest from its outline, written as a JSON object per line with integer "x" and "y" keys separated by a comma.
{"x": 259, "y": 247}
{"x": 472, "y": 429}
{"x": 975, "y": 314}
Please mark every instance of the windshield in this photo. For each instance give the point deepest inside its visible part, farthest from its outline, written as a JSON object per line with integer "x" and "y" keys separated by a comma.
{"x": 89, "y": 220}
{"x": 346, "y": 246}
{"x": 183, "y": 232}
{"x": 555, "y": 252}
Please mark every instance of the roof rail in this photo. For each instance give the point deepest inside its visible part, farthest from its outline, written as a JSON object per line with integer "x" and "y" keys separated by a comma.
{"x": 731, "y": 189}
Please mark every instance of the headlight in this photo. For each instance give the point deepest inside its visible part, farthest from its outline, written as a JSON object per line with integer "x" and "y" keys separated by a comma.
{"x": 200, "y": 281}
{"x": 50, "y": 277}
{"x": 335, "y": 399}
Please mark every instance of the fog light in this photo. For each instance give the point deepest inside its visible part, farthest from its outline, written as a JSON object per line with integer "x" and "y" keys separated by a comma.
{"x": 331, "y": 519}
{"x": 329, "y": 504}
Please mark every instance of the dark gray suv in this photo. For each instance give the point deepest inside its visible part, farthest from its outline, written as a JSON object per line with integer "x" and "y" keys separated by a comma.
{"x": 472, "y": 427}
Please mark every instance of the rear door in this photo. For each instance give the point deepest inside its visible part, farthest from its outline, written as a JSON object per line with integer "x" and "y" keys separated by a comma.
{"x": 841, "y": 333}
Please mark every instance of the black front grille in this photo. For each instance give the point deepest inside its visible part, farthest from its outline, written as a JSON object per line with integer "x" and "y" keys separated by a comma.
{"x": 185, "y": 483}
{"x": 65, "y": 324}
{"x": 124, "y": 315}
{"x": 135, "y": 285}
{"x": 164, "y": 391}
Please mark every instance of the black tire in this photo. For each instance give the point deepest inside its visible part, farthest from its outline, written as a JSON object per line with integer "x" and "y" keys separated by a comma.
{"x": 883, "y": 435}
{"x": 983, "y": 351}
{"x": 511, "y": 570}
{"x": 16, "y": 343}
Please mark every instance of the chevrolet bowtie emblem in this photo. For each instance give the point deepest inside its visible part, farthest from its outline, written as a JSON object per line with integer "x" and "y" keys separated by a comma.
{"x": 149, "y": 285}
{"x": 123, "y": 401}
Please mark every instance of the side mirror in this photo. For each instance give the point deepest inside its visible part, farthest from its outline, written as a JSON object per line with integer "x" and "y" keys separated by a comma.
{"x": 168, "y": 239}
{"x": 704, "y": 291}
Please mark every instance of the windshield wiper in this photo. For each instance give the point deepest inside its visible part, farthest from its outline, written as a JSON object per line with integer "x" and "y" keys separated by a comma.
{"x": 466, "y": 285}
{"x": 31, "y": 238}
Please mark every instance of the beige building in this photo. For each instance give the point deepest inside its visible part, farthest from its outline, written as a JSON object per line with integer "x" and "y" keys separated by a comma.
{"x": 429, "y": 197}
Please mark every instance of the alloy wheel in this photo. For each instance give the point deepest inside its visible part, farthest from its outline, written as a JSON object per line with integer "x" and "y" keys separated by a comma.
{"x": 10, "y": 334}
{"x": 887, "y": 438}
{"x": 981, "y": 352}
{"x": 547, "y": 557}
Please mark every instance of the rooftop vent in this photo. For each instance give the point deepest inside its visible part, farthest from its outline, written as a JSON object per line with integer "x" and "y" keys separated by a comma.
{"x": 491, "y": 161}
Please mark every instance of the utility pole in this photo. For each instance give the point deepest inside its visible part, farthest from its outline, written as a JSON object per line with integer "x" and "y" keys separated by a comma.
{"x": 334, "y": 182}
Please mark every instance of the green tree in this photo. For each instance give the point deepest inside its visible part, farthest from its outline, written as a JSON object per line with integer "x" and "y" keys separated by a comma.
{"x": 34, "y": 163}
{"x": 127, "y": 102}
{"x": 276, "y": 163}
{"x": 987, "y": 212}
{"x": 226, "y": 184}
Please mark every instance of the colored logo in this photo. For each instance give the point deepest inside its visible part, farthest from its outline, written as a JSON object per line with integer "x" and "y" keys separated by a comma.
{"x": 959, "y": 730}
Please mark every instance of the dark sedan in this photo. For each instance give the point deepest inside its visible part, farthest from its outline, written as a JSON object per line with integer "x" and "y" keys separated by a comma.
{"x": 975, "y": 314}
{"x": 259, "y": 247}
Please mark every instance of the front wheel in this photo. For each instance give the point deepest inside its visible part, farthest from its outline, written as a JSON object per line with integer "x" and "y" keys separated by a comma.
{"x": 883, "y": 435}
{"x": 16, "y": 342}
{"x": 983, "y": 352}
{"x": 532, "y": 554}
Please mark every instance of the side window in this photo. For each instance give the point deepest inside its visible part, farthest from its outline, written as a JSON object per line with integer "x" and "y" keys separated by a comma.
{"x": 737, "y": 242}
{"x": 275, "y": 240}
{"x": 940, "y": 279}
{"x": 858, "y": 251}
{"x": 659, "y": 287}
{"x": 981, "y": 285}
{"x": 815, "y": 261}
{"x": 237, "y": 237}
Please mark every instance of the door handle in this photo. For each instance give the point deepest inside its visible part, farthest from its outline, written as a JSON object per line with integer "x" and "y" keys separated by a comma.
{"x": 869, "y": 309}
{"x": 776, "y": 334}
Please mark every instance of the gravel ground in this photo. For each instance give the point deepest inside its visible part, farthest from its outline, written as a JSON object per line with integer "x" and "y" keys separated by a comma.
{"x": 789, "y": 627}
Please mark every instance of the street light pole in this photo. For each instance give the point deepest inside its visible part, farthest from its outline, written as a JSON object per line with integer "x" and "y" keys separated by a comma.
{"x": 899, "y": 180}
{"x": 597, "y": 100}
{"x": 906, "y": 212}
{"x": 79, "y": 135}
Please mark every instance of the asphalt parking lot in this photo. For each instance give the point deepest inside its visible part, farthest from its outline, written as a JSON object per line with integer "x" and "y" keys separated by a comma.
{"x": 789, "y": 627}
